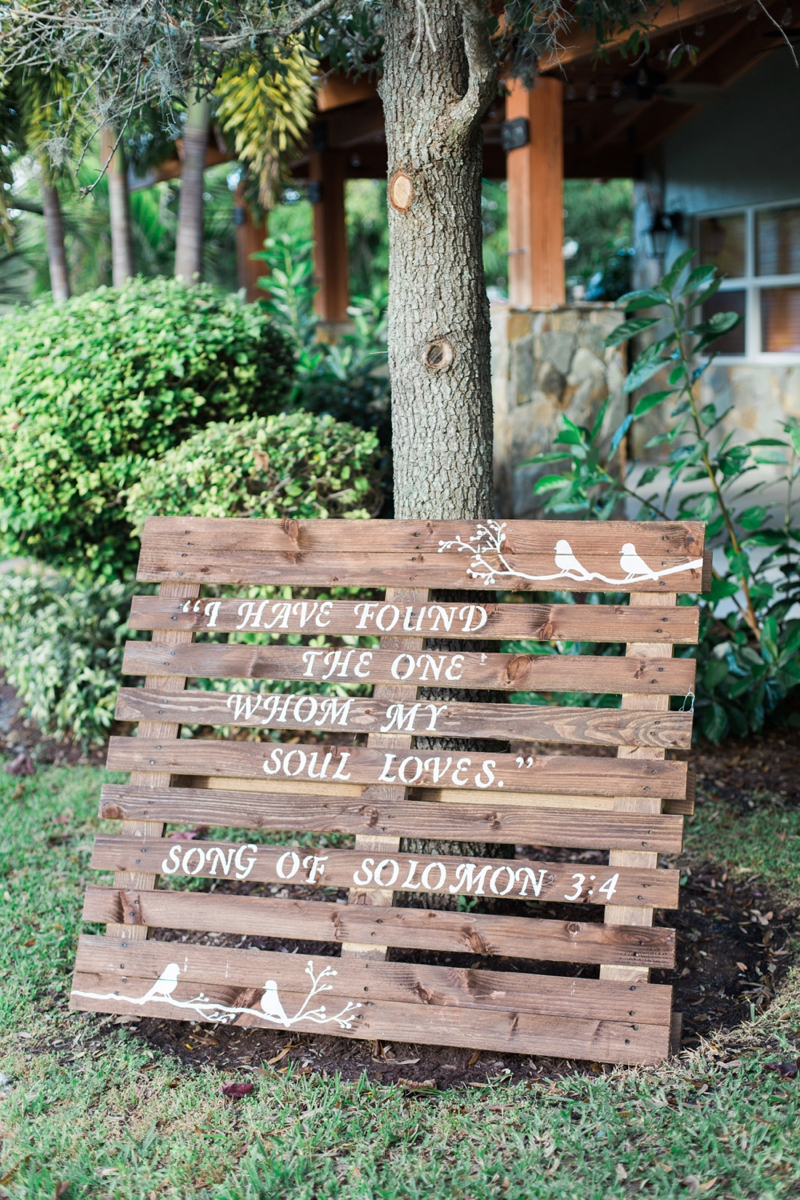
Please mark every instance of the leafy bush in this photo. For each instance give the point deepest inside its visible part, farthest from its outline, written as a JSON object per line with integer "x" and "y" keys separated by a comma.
{"x": 61, "y": 645}
{"x": 93, "y": 389}
{"x": 749, "y": 650}
{"x": 348, "y": 379}
{"x": 292, "y": 465}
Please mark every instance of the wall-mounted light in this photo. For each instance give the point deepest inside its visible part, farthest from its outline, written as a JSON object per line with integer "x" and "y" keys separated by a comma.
{"x": 663, "y": 226}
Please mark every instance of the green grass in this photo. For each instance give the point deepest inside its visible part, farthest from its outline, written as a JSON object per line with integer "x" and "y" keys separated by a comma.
{"x": 96, "y": 1116}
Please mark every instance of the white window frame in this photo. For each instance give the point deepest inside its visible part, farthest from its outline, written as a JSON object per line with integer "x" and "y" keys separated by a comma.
{"x": 752, "y": 285}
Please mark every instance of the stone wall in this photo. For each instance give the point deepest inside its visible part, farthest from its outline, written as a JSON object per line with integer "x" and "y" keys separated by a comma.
{"x": 546, "y": 365}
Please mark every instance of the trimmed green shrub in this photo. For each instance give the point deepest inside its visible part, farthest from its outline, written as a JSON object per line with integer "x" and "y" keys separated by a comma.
{"x": 61, "y": 645}
{"x": 92, "y": 390}
{"x": 291, "y": 465}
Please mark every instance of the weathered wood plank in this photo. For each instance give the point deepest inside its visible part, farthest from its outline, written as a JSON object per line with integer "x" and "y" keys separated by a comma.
{"x": 624, "y": 914}
{"x": 674, "y": 539}
{"x": 399, "y": 695}
{"x": 564, "y": 774}
{"x": 537, "y": 622}
{"x": 162, "y": 728}
{"x": 589, "y": 804}
{"x": 408, "y": 983}
{"x": 432, "y": 668}
{"x": 503, "y": 824}
{"x": 357, "y": 1017}
{"x": 377, "y": 868}
{"x": 591, "y": 726}
{"x": 529, "y": 573}
{"x": 412, "y": 928}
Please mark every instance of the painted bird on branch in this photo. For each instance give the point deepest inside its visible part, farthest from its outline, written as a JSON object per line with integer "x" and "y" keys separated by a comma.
{"x": 566, "y": 560}
{"x": 633, "y": 565}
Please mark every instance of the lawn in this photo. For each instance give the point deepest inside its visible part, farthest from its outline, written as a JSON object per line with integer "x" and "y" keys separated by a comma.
{"x": 87, "y": 1109}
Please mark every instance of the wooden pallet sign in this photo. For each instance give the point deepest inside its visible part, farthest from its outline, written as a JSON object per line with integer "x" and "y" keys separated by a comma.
{"x": 390, "y": 785}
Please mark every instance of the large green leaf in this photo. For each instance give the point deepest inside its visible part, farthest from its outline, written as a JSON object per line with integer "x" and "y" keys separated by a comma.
{"x": 652, "y": 401}
{"x": 629, "y": 329}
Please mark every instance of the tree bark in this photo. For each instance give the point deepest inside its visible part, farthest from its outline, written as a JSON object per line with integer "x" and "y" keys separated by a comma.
{"x": 189, "y": 244}
{"x": 439, "y": 77}
{"x": 122, "y": 268}
{"x": 54, "y": 237}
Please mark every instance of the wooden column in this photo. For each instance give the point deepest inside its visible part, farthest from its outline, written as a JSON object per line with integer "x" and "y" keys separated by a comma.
{"x": 536, "y": 197}
{"x": 250, "y": 237}
{"x": 331, "y": 266}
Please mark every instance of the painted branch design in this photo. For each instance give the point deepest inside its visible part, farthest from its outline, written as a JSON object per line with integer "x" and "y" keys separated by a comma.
{"x": 489, "y": 538}
{"x": 271, "y": 1009}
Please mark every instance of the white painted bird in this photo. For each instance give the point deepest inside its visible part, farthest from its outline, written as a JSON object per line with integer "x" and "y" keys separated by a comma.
{"x": 166, "y": 983}
{"x": 566, "y": 560}
{"x": 271, "y": 1004}
{"x": 633, "y": 565}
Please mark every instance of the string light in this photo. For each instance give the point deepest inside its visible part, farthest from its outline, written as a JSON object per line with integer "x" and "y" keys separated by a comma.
{"x": 616, "y": 89}
{"x": 752, "y": 12}
{"x": 570, "y": 92}
{"x": 699, "y": 31}
{"x": 787, "y": 18}
{"x": 591, "y": 92}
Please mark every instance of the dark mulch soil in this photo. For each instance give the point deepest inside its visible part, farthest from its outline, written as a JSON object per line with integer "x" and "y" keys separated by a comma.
{"x": 730, "y": 956}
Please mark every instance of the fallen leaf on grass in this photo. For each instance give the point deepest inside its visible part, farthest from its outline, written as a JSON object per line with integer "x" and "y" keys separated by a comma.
{"x": 60, "y": 1188}
{"x": 189, "y": 835}
{"x": 235, "y": 1091}
{"x": 474, "y": 1058}
{"x": 21, "y": 765}
{"x": 426, "y": 1085}
{"x": 786, "y": 1070}
{"x": 622, "y": 1174}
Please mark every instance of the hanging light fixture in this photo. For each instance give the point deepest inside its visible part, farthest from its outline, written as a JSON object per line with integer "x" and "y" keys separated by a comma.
{"x": 787, "y": 18}
{"x": 659, "y": 234}
{"x": 616, "y": 89}
{"x": 591, "y": 92}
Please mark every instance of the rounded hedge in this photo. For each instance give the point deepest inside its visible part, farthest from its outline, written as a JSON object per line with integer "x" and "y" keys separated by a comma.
{"x": 94, "y": 389}
{"x": 291, "y": 465}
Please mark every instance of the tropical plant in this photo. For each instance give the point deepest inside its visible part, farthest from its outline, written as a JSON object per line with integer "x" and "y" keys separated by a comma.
{"x": 347, "y": 379}
{"x": 265, "y": 106}
{"x": 288, "y": 465}
{"x": 91, "y": 390}
{"x": 749, "y": 652}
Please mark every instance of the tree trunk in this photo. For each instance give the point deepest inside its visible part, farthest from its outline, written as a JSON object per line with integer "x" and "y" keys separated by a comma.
{"x": 439, "y": 78}
{"x": 54, "y": 237}
{"x": 119, "y": 208}
{"x": 189, "y": 245}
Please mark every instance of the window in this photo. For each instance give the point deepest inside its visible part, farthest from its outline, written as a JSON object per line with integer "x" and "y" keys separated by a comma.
{"x": 758, "y": 250}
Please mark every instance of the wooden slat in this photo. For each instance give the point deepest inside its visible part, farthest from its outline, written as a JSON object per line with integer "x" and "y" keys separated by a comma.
{"x": 565, "y": 774}
{"x": 408, "y": 983}
{"x": 507, "y": 825}
{"x": 398, "y": 694}
{"x": 506, "y": 1032}
{"x": 412, "y": 928}
{"x": 683, "y": 806}
{"x": 672, "y": 539}
{"x": 540, "y": 723}
{"x": 161, "y": 728}
{"x": 432, "y": 668}
{"x": 537, "y": 622}
{"x": 636, "y": 914}
{"x": 531, "y": 573}
{"x": 376, "y": 868}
